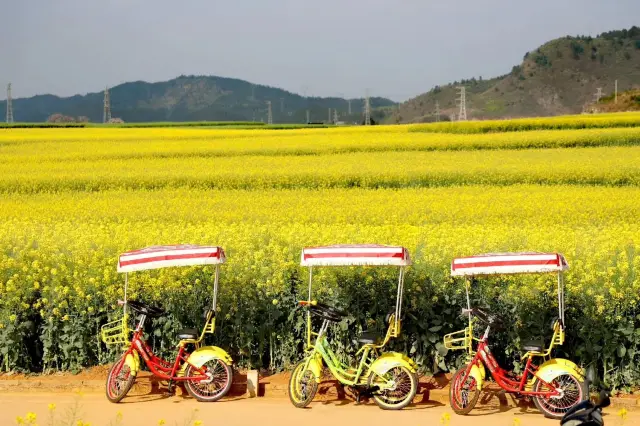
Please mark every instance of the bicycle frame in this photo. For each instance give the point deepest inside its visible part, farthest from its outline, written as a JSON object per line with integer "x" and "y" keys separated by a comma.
{"x": 350, "y": 376}
{"x": 483, "y": 355}
{"x": 158, "y": 366}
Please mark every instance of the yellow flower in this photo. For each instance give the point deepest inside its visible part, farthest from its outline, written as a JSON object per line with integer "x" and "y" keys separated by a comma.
{"x": 30, "y": 417}
{"x": 51, "y": 407}
{"x": 516, "y": 422}
{"x": 19, "y": 420}
{"x": 12, "y": 317}
{"x": 161, "y": 422}
{"x": 197, "y": 423}
{"x": 622, "y": 413}
{"x": 274, "y": 301}
{"x": 445, "y": 419}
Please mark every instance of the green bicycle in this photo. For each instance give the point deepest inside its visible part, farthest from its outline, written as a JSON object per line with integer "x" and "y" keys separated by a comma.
{"x": 389, "y": 377}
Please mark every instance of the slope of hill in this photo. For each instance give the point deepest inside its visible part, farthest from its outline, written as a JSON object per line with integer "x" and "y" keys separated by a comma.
{"x": 192, "y": 98}
{"x": 560, "y": 77}
{"x": 627, "y": 101}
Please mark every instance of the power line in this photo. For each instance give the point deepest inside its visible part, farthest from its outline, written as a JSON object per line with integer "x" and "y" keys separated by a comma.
{"x": 462, "y": 101}
{"x": 9, "y": 105}
{"x": 106, "y": 114}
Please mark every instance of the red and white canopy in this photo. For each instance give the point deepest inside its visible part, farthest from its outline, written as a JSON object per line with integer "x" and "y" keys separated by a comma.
{"x": 355, "y": 254}
{"x": 156, "y": 257}
{"x": 508, "y": 263}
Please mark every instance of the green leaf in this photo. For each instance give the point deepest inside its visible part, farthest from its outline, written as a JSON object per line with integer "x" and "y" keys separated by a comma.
{"x": 621, "y": 351}
{"x": 441, "y": 349}
{"x": 435, "y": 328}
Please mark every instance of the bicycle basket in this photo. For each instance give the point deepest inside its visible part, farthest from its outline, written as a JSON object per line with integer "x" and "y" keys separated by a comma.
{"x": 459, "y": 339}
{"x": 116, "y": 332}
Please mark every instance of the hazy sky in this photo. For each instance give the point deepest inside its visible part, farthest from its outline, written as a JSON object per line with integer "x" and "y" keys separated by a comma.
{"x": 397, "y": 48}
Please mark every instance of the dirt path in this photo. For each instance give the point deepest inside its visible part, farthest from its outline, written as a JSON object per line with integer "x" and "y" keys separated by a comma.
{"x": 146, "y": 410}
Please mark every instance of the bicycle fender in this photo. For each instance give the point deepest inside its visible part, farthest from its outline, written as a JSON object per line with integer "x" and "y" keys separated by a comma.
{"x": 389, "y": 360}
{"x": 132, "y": 360}
{"x": 314, "y": 363}
{"x": 478, "y": 373}
{"x": 556, "y": 366}
{"x": 206, "y": 353}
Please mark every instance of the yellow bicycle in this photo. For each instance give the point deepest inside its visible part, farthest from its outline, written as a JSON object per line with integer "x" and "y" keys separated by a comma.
{"x": 389, "y": 377}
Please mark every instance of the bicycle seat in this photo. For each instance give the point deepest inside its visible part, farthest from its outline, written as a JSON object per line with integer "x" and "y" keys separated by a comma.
{"x": 533, "y": 345}
{"x": 143, "y": 309}
{"x": 188, "y": 334}
{"x": 369, "y": 337}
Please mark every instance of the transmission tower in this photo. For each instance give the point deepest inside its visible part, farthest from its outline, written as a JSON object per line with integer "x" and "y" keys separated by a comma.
{"x": 462, "y": 101}
{"x": 598, "y": 94}
{"x": 367, "y": 110}
{"x": 106, "y": 116}
{"x": 269, "y": 115}
{"x": 9, "y": 105}
{"x": 437, "y": 111}
{"x": 308, "y": 117}
{"x": 335, "y": 116}
{"x": 329, "y": 115}
{"x": 282, "y": 105}
{"x": 349, "y": 105}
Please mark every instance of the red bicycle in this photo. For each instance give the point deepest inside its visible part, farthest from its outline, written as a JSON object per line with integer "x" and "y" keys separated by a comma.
{"x": 206, "y": 370}
{"x": 554, "y": 387}
{"x": 207, "y": 378}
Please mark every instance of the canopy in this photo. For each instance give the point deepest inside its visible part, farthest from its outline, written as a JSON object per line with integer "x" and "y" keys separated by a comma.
{"x": 156, "y": 257}
{"x": 508, "y": 263}
{"x": 355, "y": 254}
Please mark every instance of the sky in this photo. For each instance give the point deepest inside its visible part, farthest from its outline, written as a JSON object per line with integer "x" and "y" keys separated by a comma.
{"x": 392, "y": 48}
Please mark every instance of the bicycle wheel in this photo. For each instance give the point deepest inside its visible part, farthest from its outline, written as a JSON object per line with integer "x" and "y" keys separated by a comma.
{"x": 463, "y": 396}
{"x": 572, "y": 392}
{"x": 405, "y": 386}
{"x": 302, "y": 386}
{"x": 119, "y": 381}
{"x": 218, "y": 383}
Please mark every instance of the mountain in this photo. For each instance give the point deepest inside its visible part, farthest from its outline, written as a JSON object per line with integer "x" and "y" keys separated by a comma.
{"x": 193, "y": 98}
{"x": 560, "y": 77}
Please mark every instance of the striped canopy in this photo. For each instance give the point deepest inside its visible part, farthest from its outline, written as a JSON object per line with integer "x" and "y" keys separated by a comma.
{"x": 355, "y": 254}
{"x": 508, "y": 263}
{"x": 156, "y": 257}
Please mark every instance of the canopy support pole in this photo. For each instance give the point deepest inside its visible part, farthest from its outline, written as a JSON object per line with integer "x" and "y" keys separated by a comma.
{"x": 309, "y": 308}
{"x": 561, "y": 298}
{"x": 215, "y": 289}
{"x": 126, "y": 285}
{"x": 466, "y": 288}
{"x": 399, "y": 298}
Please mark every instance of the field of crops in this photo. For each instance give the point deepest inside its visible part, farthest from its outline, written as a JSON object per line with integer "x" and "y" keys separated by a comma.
{"x": 72, "y": 199}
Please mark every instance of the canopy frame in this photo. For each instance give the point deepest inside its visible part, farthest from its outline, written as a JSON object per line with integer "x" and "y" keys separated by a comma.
{"x": 400, "y": 260}
{"x": 558, "y": 266}
{"x": 205, "y": 259}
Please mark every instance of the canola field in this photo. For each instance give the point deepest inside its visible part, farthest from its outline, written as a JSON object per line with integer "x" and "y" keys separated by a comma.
{"x": 73, "y": 199}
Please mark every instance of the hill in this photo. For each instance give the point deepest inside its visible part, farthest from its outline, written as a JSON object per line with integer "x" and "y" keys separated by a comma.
{"x": 560, "y": 77}
{"x": 193, "y": 98}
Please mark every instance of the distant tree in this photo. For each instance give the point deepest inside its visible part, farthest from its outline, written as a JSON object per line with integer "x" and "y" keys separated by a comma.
{"x": 577, "y": 49}
{"x": 526, "y": 55}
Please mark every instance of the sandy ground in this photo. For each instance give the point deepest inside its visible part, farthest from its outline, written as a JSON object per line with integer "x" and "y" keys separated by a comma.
{"x": 178, "y": 410}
